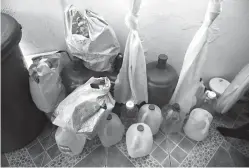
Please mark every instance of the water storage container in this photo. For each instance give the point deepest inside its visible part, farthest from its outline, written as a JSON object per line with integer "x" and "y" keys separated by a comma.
{"x": 112, "y": 132}
{"x": 139, "y": 140}
{"x": 162, "y": 79}
{"x": 129, "y": 113}
{"x": 151, "y": 115}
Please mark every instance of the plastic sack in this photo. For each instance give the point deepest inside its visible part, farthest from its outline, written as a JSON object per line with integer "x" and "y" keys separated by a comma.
{"x": 234, "y": 91}
{"x": 86, "y": 107}
{"x": 46, "y": 88}
{"x": 131, "y": 83}
{"x": 194, "y": 60}
{"x": 90, "y": 38}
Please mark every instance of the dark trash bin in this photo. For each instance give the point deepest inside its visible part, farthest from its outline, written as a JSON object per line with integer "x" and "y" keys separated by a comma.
{"x": 21, "y": 121}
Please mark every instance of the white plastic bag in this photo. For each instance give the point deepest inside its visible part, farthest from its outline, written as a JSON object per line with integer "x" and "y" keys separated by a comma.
{"x": 85, "y": 108}
{"x": 234, "y": 91}
{"x": 194, "y": 60}
{"x": 131, "y": 83}
{"x": 90, "y": 38}
{"x": 46, "y": 88}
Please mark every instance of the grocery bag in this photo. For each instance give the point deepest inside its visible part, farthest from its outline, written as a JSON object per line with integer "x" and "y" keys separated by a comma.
{"x": 46, "y": 88}
{"x": 90, "y": 38}
{"x": 234, "y": 91}
{"x": 86, "y": 107}
{"x": 194, "y": 60}
{"x": 131, "y": 83}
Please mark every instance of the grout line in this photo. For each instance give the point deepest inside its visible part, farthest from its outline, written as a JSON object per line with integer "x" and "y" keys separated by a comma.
{"x": 53, "y": 159}
{"x": 214, "y": 153}
{"x": 6, "y": 159}
{"x": 30, "y": 157}
{"x": 44, "y": 148}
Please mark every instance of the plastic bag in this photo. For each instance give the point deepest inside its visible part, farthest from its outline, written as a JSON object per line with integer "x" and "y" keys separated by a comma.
{"x": 131, "y": 83}
{"x": 234, "y": 91}
{"x": 46, "y": 88}
{"x": 90, "y": 38}
{"x": 86, "y": 107}
{"x": 194, "y": 60}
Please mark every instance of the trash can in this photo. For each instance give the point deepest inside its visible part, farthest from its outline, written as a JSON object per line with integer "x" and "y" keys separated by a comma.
{"x": 21, "y": 121}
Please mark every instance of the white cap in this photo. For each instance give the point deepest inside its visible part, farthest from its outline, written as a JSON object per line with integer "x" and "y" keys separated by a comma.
{"x": 130, "y": 105}
{"x": 211, "y": 95}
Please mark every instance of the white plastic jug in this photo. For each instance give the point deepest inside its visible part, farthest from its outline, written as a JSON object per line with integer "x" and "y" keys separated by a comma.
{"x": 198, "y": 124}
{"x": 69, "y": 142}
{"x": 152, "y": 116}
{"x": 112, "y": 132}
{"x": 139, "y": 140}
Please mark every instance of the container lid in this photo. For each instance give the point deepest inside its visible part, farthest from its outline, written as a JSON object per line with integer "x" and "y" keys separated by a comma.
{"x": 211, "y": 95}
{"x": 218, "y": 85}
{"x": 152, "y": 107}
{"x": 10, "y": 34}
{"x": 130, "y": 105}
{"x": 109, "y": 117}
{"x": 162, "y": 60}
{"x": 140, "y": 128}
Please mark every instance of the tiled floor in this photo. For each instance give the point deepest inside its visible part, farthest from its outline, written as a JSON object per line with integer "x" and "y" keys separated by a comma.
{"x": 214, "y": 151}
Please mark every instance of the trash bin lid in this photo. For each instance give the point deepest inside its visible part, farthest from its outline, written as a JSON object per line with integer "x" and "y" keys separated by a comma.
{"x": 10, "y": 34}
{"x": 218, "y": 85}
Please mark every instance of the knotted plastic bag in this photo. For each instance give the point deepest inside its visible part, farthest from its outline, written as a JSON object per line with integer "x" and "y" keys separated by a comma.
{"x": 131, "y": 83}
{"x": 90, "y": 38}
{"x": 86, "y": 107}
{"x": 234, "y": 91}
{"x": 194, "y": 60}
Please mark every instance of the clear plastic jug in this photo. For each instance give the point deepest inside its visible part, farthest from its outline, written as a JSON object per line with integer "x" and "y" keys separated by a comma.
{"x": 152, "y": 116}
{"x": 139, "y": 140}
{"x": 112, "y": 132}
{"x": 69, "y": 142}
{"x": 198, "y": 123}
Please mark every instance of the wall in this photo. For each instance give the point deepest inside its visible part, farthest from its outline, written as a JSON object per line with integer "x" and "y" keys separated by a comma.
{"x": 166, "y": 26}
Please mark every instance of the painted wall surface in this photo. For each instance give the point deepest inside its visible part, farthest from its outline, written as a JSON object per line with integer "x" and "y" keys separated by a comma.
{"x": 165, "y": 26}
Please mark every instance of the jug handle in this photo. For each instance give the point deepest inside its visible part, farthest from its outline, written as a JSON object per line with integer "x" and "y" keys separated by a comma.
{"x": 206, "y": 127}
{"x": 135, "y": 142}
{"x": 144, "y": 117}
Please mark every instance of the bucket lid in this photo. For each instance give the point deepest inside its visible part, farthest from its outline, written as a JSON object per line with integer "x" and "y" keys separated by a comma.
{"x": 218, "y": 85}
{"x": 10, "y": 34}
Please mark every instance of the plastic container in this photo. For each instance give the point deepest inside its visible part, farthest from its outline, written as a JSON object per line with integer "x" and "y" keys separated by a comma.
{"x": 139, "y": 140}
{"x": 112, "y": 132}
{"x": 171, "y": 119}
{"x": 151, "y": 115}
{"x": 198, "y": 123}
{"x": 162, "y": 79}
{"x": 69, "y": 142}
{"x": 129, "y": 113}
{"x": 209, "y": 102}
{"x": 75, "y": 73}
{"x": 21, "y": 121}
{"x": 218, "y": 85}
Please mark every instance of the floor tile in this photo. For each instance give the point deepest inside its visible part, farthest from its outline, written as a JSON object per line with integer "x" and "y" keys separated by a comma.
{"x": 221, "y": 159}
{"x": 20, "y": 158}
{"x": 4, "y": 161}
{"x": 48, "y": 129}
{"x": 53, "y": 151}
{"x": 238, "y": 158}
{"x": 170, "y": 162}
{"x": 159, "y": 154}
{"x": 35, "y": 150}
{"x": 186, "y": 145}
{"x": 240, "y": 121}
{"x": 226, "y": 145}
{"x": 32, "y": 143}
{"x": 178, "y": 154}
{"x": 42, "y": 159}
{"x": 159, "y": 137}
{"x": 154, "y": 146}
{"x": 117, "y": 159}
{"x": 48, "y": 141}
{"x": 227, "y": 121}
{"x": 175, "y": 137}
{"x": 167, "y": 145}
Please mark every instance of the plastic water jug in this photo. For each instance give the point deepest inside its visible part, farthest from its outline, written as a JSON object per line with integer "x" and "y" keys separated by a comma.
{"x": 69, "y": 142}
{"x": 151, "y": 115}
{"x": 112, "y": 132}
{"x": 198, "y": 123}
{"x": 129, "y": 113}
{"x": 162, "y": 79}
{"x": 139, "y": 140}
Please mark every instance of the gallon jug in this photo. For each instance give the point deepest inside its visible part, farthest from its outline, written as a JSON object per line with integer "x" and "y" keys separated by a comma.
{"x": 69, "y": 142}
{"x": 197, "y": 125}
{"x": 139, "y": 140}
{"x": 112, "y": 132}
{"x": 162, "y": 79}
{"x": 151, "y": 115}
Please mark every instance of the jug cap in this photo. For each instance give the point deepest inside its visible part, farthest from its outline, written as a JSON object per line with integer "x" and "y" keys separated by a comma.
{"x": 176, "y": 107}
{"x": 152, "y": 107}
{"x": 129, "y": 105}
{"x": 211, "y": 94}
{"x": 162, "y": 60}
{"x": 109, "y": 117}
{"x": 140, "y": 128}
